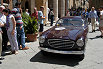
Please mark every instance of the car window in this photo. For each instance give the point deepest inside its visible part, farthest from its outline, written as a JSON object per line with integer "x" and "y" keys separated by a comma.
{"x": 69, "y": 22}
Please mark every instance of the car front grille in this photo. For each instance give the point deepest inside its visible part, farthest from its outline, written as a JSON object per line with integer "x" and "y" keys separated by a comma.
{"x": 61, "y": 43}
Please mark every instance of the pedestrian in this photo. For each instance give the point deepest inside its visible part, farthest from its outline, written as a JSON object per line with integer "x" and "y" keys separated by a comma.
{"x": 41, "y": 19}
{"x": 51, "y": 16}
{"x": 2, "y": 20}
{"x": 89, "y": 19}
{"x": 68, "y": 13}
{"x": 27, "y": 12}
{"x": 19, "y": 26}
{"x": 98, "y": 13}
{"x": 85, "y": 16}
{"x": 93, "y": 15}
{"x": 35, "y": 13}
{"x": 11, "y": 31}
{"x": 70, "y": 10}
{"x": 74, "y": 12}
{"x": 0, "y": 43}
{"x": 101, "y": 21}
{"x": 4, "y": 34}
{"x": 48, "y": 13}
{"x": 78, "y": 12}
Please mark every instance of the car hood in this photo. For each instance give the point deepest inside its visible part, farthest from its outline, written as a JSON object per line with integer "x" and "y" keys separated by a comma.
{"x": 64, "y": 32}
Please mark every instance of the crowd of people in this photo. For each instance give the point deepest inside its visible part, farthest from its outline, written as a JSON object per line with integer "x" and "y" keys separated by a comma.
{"x": 12, "y": 23}
{"x": 12, "y": 30}
{"x": 93, "y": 16}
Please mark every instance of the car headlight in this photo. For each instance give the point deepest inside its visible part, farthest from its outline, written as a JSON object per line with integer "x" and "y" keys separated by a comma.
{"x": 80, "y": 42}
{"x": 41, "y": 39}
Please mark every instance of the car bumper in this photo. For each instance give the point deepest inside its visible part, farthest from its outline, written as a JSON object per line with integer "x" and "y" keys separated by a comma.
{"x": 62, "y": 52}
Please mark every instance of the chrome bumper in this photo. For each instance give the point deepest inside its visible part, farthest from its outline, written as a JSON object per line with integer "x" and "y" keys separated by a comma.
{"x": 62, "y": 52}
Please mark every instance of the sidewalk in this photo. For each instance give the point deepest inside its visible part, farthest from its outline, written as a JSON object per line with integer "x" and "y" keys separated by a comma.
{"x": 22, "y": 59}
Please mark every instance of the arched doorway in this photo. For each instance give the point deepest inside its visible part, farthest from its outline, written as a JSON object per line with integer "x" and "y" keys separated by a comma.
{"x": 26, "y": 5}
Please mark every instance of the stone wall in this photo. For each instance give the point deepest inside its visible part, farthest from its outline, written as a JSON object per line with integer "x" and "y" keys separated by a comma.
{"x": 95, "y": 3}
{"x": 38, "y": 3}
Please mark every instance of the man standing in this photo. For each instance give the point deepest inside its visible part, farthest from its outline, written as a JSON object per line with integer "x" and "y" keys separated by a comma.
{"x": 2, "y": 20}
{"x": 0, "y": 42}
{"x": 35, "y": 14}
{"x": 4, "y": 34}
{"x": 19, "y": 26}
{"x": 40, "y": 19}
{"x": 93, "y": 15}
{"x": 51, "y": 16}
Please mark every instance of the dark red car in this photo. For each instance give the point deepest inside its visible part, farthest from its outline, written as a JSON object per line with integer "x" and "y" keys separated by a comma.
{"x": 68, "y": 36}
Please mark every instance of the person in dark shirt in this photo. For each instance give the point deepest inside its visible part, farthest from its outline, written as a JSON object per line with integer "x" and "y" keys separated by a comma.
{"x": 98, "y": 13}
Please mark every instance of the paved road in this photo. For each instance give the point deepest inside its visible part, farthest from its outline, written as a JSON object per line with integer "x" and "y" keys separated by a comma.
{"x": 32, "y": 58}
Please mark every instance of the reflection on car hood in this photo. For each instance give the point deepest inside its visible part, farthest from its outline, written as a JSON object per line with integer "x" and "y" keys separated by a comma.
{"x": 64, "y": 32}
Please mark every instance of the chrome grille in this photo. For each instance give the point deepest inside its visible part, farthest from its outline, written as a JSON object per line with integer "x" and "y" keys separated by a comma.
{"x": 61, "y": 43}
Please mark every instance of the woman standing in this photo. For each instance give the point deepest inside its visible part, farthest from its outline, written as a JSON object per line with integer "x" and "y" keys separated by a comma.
{"x": 101, "y": 22}
{"x": 11, "y": 31}
{"x": 51, "y": 16}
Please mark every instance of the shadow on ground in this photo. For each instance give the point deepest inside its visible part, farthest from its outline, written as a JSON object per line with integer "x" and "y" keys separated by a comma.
{"x": 95, "y": 31}
{"x": 95, "y": 37}
{"x": 69, "y": 60}
{"x": 7, "y": 51}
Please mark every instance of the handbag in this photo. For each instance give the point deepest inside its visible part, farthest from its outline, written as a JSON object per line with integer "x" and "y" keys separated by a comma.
{"x": 97, "y": 24}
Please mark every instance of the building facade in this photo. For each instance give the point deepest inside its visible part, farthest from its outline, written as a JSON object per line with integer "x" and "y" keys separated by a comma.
{"x": 95, "y": 3}
{"x": 81, "y": 3}
{"x": 60, "y": 7}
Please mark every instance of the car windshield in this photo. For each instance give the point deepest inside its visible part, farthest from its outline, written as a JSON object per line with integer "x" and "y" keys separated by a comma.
{"x": 69, "y": 22}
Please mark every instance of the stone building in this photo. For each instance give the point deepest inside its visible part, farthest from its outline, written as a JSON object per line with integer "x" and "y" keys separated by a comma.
{"x": 60, "y": 7}
{"x": 81, "y": 3}
{"x": 95, "y": 3}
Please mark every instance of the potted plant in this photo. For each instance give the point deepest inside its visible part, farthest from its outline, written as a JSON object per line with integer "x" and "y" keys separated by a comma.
{"x": 30, "y": 27}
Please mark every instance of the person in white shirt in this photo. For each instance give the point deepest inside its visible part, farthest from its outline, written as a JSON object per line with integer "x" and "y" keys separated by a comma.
{"x": 41, "y": 18}
{"x": 93, "y": 15}
{"x": 4, "y": 34}
{"x": 11, "y": 30}
{"x": 27, "y": 12}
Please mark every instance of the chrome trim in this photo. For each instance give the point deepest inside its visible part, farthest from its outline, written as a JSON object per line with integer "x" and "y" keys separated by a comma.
{"x": 61, "y": 43}
{"x": 62, "y": 52}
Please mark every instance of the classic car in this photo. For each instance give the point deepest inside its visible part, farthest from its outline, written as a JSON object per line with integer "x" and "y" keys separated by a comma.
{"x": 68, "y": 36}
